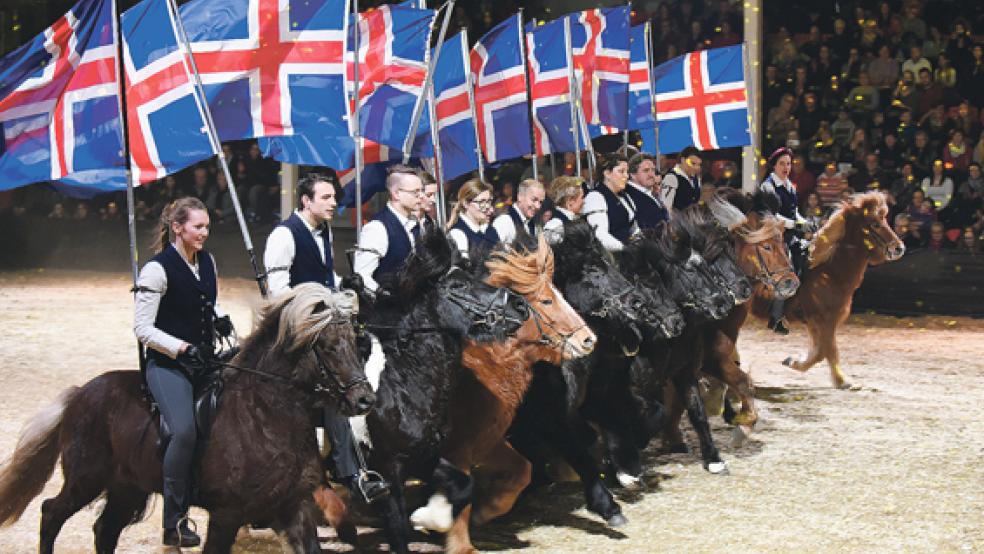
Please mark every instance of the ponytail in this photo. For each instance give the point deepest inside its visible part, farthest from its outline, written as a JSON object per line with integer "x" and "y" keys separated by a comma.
{"x": 175, "y": 212}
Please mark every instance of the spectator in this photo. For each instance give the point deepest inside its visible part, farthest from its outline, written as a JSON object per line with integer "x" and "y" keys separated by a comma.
{"x": 978, "y": 155}
{"x": 904, "y": 187}
{"x": 843, "y": 128}
{"x": 916, "y": 62}
{"x": 111, "y": 212}
{"x": 81, "y": 210}
{"x": 921, "y": 155}
{"x": 966, "y": 203}
{"x": 201, "y": 188}
{"x": 869, "y": 175}
{"x": 930, "y": 93}
{"x": 938, "y": 186}
{"x": 945, "y": 74}
{"x": 906, "y": 233}
{"x": 219, "y": 202}
{"x": 809, "y": 116}
{"x": 890, "y": 152}
{"x": 823, "y": 68}
{"x": 934, "y": 44}
{"x": 906, "y": 94}
{"x": 971, "y": 81}
{"x": 969, "y": 243}
{"x": 57, "y": 211}
{"x": 840, "y": 41}
{"x": 883, "y": 70}
{"x": 967, "y": 119}
{"x": 863, "y": 99}
{"x": 937, "y": 238}
{"x": 956, "y": 153}
{"x": 921, "y": 214}
{"x": 774, "y": 88}
{"x": 780, "y": 120}
{"x": 726, "y": 37}
{"x": 812, "y": 210}
{"x": 851, "y": 69}
{"x": 830, "y": 185}
{"x": 163, "y": 193}
{"x": 803, "y": 178}
{"x": 856, "y": 148}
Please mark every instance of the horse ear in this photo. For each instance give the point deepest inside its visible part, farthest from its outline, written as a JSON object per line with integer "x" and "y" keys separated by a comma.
{"x": 319, "y": 307}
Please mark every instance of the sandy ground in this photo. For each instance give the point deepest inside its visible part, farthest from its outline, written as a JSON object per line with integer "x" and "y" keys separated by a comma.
{"x": 894, "y": 467}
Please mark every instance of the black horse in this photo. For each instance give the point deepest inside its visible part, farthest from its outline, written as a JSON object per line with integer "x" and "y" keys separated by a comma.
{"x": 434, "y": 307}
{"x": 260, "y": 465}
{"x": 622, "y": 314}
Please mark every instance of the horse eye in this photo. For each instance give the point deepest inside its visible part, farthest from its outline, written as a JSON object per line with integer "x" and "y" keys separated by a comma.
{"x": 767, "y": 247}
{"x": 546, "y": 302}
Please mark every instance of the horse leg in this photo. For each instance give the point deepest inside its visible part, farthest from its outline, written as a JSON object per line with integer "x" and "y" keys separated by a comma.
{"x": 577, "y": 454}
{"x": 302, "y": 531}
{"x": 510, "y": 476}
{"x": 393, "y": 511}
{"x": 686, "y": 383}
{"x": 458, "y": 540}
{"x": 740, "y": 383}
{"x": 336, "y": 513}
{"x": 223, "y": 527}
{"x": 671, "y": 435}
{"x": 123, "y": 507}
{"x": 82, "y": 485}
{"x": 828, "y": 347}
{"x": 814, "y": 355}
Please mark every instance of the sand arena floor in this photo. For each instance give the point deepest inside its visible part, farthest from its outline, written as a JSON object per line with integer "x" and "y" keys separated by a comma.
{"x": 896, "y": 466}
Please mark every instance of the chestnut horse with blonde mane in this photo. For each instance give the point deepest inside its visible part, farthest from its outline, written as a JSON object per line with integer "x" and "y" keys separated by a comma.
{"x": 487, "y": 397}
{"x": 855, "y": 236}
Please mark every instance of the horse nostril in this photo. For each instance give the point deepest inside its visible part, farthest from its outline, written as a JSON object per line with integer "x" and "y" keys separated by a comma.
{"x": 365, "y": 402}
{"x": 588, "y": 343}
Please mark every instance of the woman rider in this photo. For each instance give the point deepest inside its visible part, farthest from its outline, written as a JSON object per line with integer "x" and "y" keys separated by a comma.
{"x": 469, "y": 225}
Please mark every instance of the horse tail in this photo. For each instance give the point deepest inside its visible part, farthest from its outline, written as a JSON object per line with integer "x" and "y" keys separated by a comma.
{"x": 24, "y": 475}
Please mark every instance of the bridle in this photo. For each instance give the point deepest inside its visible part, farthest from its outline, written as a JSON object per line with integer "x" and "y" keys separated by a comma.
{"x": 882, "y": 241}
{"x": 613, "y": 305}
{"x": 769, "y": 277}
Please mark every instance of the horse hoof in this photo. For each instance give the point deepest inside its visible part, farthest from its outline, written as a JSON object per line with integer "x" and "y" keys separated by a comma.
{"x": 435, "y": 516}
{"x": 718, "y": 468}
{"x": 849, "y": 386}
{"x": 628, "y": 482}
{"x": 617, "y": 520}
{"x": 739, "y": 434}
{"x": 788, "y": 362}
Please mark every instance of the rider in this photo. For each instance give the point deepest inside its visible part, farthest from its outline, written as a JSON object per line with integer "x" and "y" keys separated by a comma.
{"x": 299, "y": 250}
{"x": 781, "y": 187}
{"x": 469, "y": 222}
{"x": 681, "y": 186}
{"x": 175, "y": 316}
{"x": 387, "y": 240}
{"x": 608, "y": 208}
{"x": 522, "y": 213}
{"x": 567, "y": 194}
{"x": 427, "y": 215}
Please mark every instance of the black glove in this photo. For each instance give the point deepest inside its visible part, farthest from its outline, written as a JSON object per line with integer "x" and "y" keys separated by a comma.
{"x": 353, "y": 282}
{"x": 223, "y": 326}
{"x": 364, "y": 343}
{"x": 192, "y": 360}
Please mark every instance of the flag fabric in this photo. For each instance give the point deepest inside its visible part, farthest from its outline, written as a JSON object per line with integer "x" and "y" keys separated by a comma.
{"x": 394, "y": 51}
{"x": 59, "y": 105}
{"x": 600, "y": 43}
{"x": 701, "y": 100}
{"x": 376, "y": 158}
{"x": 165, "y": 121}
{"x": 499, "y": 82}
{"x": 640, "y": 81}
{"x": 271, "y": 67}
{"x": 550, "y": 71}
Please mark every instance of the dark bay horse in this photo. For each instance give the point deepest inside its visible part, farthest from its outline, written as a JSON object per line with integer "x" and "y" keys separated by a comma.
{"x": 487, "y": 396}
{"x": 260, "y": 465}
{"x": 856, "y": 235}
{"x": 434, "y": 306}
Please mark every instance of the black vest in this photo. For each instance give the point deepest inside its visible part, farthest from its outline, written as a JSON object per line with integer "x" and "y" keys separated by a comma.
{"x": 557, "y": 214}
{"x": 308, "y": 267}
{"x": 787, "y": 204}
{"x": 529, "y": 226}
{"x": 478, "y": 241}
{"x": 187, "y": 308}
{"x": 649, "y": 211}
{"x": 687, "y": 192}
{"x": 399, "y": 247}
{"x": 619, "y": 222}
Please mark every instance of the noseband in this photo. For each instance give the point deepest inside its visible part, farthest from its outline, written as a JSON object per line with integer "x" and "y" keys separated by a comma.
{"x": 882, "y": 242}
{"x": 613, "y": 305}
{"x": 770, "y": 278}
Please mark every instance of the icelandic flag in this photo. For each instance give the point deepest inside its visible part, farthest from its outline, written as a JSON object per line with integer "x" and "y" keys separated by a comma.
{"x": 272, "y": 67}
{"x": 499, "y": 81}
{"x": 454, "y": 112}
{"x": 701, "y": 100}
{"x": 600, "y": 43}
{"x": 166, "y": 124}
{"x": 640, "y": 81}
{"x": 550, "y": 70}
{"x": 59, "y": 105}
{"x": 376, "y": 159}
{"x": 393, "y": 50}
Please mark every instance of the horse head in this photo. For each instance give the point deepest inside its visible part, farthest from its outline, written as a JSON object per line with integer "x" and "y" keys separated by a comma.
{"x": 464, "y": 304}
{"x": 314, "y": 346}
{"x": 554, "y": 332}
{"x": 713, "y": 243}
{"x": 757, "y": 240}
{"x": 687, "y": 275}
{"x": 862, "y": 224}
{"x": 587, "y": 276}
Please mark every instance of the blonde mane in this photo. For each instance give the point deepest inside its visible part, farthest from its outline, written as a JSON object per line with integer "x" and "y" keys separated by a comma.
{"x": 769, "y": 228}
{"x": 305, "y": 311}
{"x": 829, "y": 236}
{"x": 528, "y": 273}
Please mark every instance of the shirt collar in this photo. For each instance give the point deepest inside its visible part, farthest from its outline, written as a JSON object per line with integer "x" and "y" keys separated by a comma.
{"x": 314, "y": 230}
{"x": 641, "y": 189}
{"x": 472, "y": 225}
{"x": 405, "y": 221}
{"x": 787, "y": 183}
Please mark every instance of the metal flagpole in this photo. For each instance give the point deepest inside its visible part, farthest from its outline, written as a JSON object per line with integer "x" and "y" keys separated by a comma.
{"x": 354, "y": 120}
{"x": 529, "y": 96}
{"x": 213, "y": 137}
{"x": 438, "y": 169}
{"x": 428, "y": 82}
{"x": 652, "y": 89}
{"x": 588, "y": 146}
{"x": 125, "y": 142}
{"x": 572, "y": 78}
{"x": 470, "y": 85}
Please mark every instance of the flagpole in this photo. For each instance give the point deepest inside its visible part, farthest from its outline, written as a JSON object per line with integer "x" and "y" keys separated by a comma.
{"x": 428, "y": 82}
{"x": 438, "y": 169}
{"x": 588, "y": 145}
{"x": 529, "y": 96}
{"x": 572, "y": 78}
{"x": 470, "y": 85}
{"x": 213, "y": 136}
{"x": 354, "y": 120}
{"x": 125, "y": 142}
{"x": 652, "y": 90}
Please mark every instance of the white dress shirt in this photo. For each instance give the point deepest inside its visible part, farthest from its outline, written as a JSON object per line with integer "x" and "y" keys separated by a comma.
{"x": 280, "y": 251}
{"x": 506, "y": 227}
{"x": 669, "y": 187}
{"x": 459, "y": 237}
{"x": 596, "y": 212}
{"x": 373, "y": 245}
{"x": 553, "y": 230}
{"x": 151, "y": 287}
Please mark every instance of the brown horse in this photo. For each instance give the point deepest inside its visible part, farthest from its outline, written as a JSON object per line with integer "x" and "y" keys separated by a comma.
{"x": 762, "y": 256}
{"x": 260, "y": 465}
{"x": 856, "y": 235}
{"x": 486, "y": 398}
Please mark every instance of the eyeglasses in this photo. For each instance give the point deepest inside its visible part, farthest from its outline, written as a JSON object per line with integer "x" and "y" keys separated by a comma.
{"x": 482, "y": 204}
{"x": 413, "y": 192}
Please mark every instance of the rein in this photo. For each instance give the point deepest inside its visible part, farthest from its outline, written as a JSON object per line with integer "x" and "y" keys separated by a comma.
{"x": 769, "y": 277}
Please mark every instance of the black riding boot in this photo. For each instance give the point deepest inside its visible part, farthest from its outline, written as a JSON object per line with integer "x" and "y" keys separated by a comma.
{"x": 776, "y": 320}
{"x": 177, "y": 532}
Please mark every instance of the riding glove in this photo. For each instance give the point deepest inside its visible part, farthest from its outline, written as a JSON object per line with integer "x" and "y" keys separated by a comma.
{"x": 223, "y": 326}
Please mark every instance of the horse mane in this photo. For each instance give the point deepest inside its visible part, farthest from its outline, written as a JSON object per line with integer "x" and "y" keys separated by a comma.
{"x": 580, "y": 249}
{"x": 724, "y": 208}
{"x": 769, "y": 227}
{"x": 829, "y": 236}
{"x": 707, "y": 237}
{"x": 526, "y": 272}
{"x": 298, "y": 317}
{"x": 432, "y": 257}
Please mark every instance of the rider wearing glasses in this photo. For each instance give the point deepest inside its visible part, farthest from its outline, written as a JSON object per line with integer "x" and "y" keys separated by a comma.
{"x": 469, "y": 222}
{"x": 387, "y": 241}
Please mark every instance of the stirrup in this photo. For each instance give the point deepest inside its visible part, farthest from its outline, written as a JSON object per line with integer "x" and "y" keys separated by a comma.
{"x": 372, "y": 486}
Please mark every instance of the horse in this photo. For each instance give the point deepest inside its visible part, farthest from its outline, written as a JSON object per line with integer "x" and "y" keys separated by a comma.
{"x": 432, "y": 307}
{"x": 260, "y": 464}
{"x": 855, "y": 236}
{"x": 487, "y": 396}
{"x": 614, "y": 307}
{"x": 761, "y": 254}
